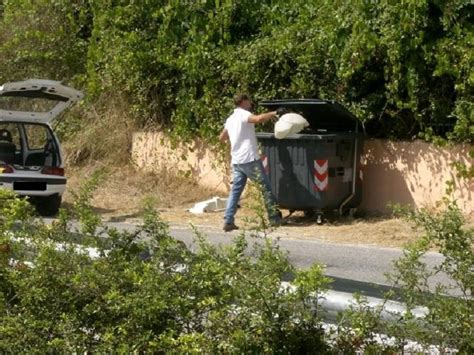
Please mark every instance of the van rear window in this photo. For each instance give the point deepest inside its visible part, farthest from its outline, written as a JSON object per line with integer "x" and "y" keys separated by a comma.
{"x": 26, "y": 104}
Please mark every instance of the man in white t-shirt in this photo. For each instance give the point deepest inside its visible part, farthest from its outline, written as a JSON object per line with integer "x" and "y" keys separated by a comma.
{"x": 239, "y": 129}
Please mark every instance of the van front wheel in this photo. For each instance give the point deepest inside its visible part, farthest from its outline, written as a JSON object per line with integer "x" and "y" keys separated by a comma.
{"x": 48, "y": 206}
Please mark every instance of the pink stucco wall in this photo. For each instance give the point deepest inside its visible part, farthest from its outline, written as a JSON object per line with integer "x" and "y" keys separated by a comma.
{"x": 412, "y": 173}
{"x": 153, "y": 151}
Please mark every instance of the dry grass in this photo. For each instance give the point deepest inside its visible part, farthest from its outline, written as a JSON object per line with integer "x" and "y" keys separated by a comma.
{"x": 121, "y": 196}
{"x": 103, "y": 133}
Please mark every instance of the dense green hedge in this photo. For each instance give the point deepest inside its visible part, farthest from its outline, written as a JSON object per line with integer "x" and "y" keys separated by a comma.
{"x": 144, "y": 292}
{"x": 402, "y": 67}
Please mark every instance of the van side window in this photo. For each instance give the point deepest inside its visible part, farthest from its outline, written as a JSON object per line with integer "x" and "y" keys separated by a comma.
{"x": 14, "y": 133}
{"x": 36, "y": 136}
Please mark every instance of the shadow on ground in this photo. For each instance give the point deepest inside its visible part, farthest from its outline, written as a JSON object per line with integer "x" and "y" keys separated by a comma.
{"x": 332, "y": 218}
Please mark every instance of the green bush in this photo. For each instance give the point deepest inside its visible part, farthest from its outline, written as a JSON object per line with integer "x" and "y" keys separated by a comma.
{"x": 144, "y": 291}
{"x": 387, "y": 61}
{"x": 44, "y": 39}
{"x": 77, "y": 285}
{"x": 449, "y": 321}
{"x": 449, "y": 307}
{"x": 403, "y": 68}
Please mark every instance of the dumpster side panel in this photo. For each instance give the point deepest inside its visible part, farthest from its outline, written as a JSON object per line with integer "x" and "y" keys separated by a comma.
{"x": 359, "y": 176}
{"x": 340, "y": 172}
{"x": 294, "y": 186}
{"x": 312, "y": 172}
{"x": 345, "y": 172}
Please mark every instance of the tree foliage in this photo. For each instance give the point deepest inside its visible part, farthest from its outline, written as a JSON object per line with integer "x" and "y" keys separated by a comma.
{"x": 403, "y": 67}
{"x": 46, "y": 39}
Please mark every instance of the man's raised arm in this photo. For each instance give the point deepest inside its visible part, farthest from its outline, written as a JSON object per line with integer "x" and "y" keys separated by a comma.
{"x": 264, "y": 117}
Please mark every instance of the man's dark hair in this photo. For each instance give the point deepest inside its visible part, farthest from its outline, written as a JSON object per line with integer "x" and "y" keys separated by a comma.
{"x": 238, "y": 98}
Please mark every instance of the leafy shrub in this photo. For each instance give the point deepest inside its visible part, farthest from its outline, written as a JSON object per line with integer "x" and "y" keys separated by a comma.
{"x": 449, "y": 319}
{"x": 403, "y": 68}
{"x": 44, "y": 39}
{"x": 143, "y": 291}
{"x": 387, "y": 61}
{"x": 77, "y": 285}
{"x": 449, "y": 307}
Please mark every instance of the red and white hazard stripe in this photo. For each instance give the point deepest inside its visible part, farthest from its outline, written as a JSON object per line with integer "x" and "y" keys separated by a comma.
{"x": 266, "y": 167}
{"x": 321, "y": 177}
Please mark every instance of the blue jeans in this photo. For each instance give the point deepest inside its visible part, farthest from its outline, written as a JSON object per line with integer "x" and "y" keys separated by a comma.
{"x": 253, "y": 171}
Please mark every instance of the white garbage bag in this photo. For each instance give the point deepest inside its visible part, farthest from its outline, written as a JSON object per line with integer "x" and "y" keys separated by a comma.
{"x": 289, "y": 123}
{"x": 282, "y": 129}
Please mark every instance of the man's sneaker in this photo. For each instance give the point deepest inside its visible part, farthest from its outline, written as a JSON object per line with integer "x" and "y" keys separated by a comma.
{"x": 228, "y": 227}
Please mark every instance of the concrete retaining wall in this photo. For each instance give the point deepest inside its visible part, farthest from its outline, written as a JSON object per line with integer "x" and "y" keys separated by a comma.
{"x": 412, "y": 173}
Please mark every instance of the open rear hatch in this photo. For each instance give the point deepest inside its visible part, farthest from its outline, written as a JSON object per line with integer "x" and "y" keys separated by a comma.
{"x": 35, "y": 100}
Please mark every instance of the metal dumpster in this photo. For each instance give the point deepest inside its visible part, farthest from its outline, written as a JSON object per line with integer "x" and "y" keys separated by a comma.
{"x": 320, "y": 168}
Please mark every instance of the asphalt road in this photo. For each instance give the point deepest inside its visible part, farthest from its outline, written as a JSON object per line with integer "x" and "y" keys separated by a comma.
{"x": 354, "y": 268}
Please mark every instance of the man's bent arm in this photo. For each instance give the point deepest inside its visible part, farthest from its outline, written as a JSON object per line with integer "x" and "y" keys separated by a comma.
{"x": 264, "y": 117}
{"x": 224, "y": 136}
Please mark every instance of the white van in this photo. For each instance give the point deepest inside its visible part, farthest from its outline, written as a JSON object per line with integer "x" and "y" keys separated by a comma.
{"x": 31, "y": 163}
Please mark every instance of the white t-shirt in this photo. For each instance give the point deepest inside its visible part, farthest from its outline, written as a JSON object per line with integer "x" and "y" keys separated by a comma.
{"x": 243, "y": 142}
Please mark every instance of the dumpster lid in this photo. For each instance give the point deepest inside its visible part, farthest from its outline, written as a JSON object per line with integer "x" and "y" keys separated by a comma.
{"x": 321, "y": 114}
